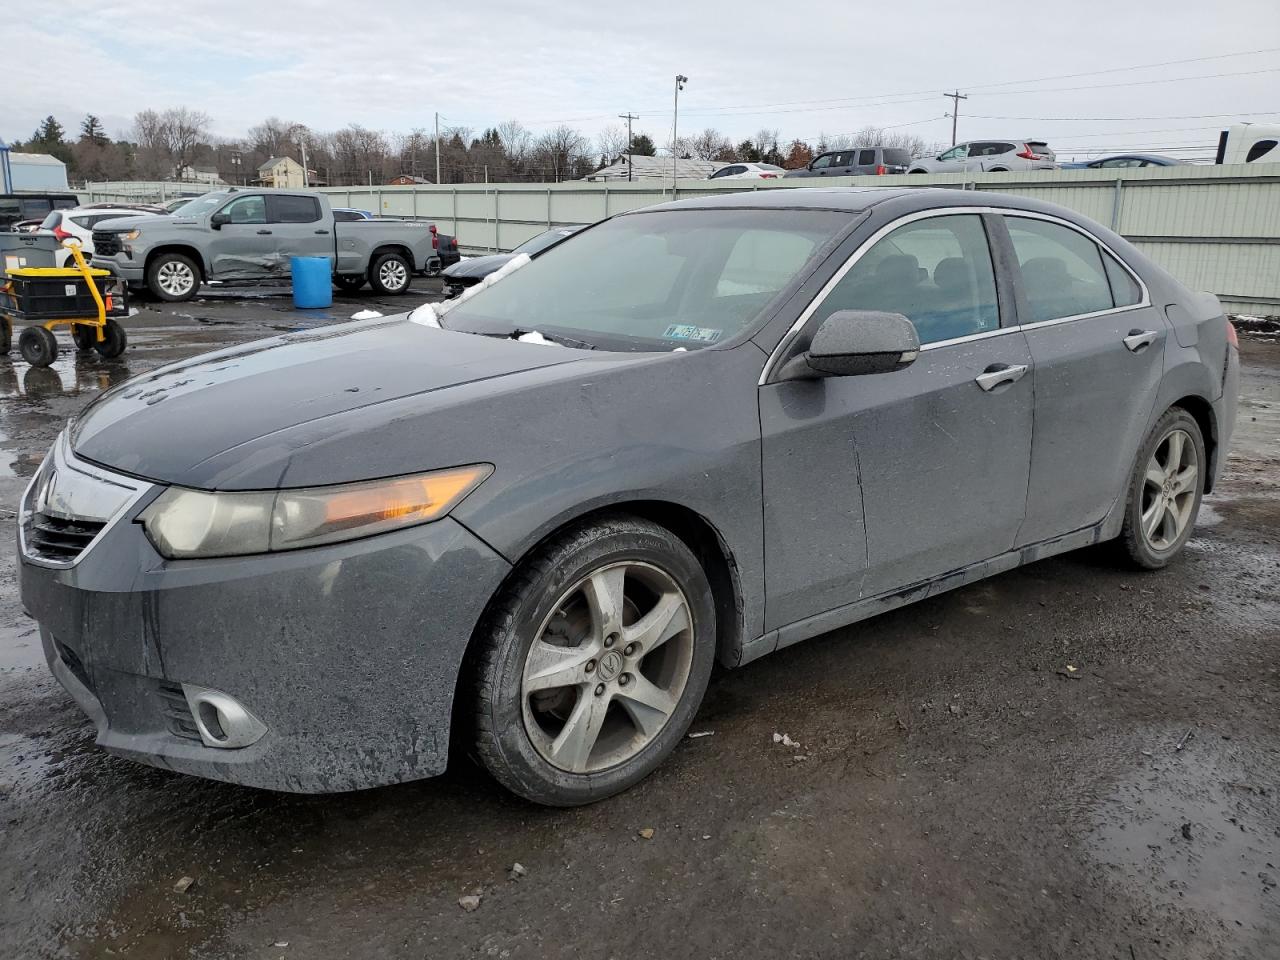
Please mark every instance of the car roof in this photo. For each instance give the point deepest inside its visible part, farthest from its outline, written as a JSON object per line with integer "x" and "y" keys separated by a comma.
{"x": 856, "y": 200}
{"x": 1137, "y": 156}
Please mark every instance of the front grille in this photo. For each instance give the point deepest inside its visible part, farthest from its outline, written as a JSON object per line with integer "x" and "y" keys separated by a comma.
{"x": 106, "y": 244}
{"x": 54, "y": 538}
{"x": 176, "y": 710}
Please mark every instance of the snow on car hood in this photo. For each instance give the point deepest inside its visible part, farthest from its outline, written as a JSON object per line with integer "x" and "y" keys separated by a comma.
{"x": 165, "y": 424}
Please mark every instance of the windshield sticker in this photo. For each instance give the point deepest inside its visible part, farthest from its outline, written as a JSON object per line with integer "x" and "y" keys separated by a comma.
{"x": 683, "y": 331}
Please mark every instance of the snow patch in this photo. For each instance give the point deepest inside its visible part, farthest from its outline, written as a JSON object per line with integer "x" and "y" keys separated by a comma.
{"x": 366, "y": 315}
{"x": 426, "y": 316}
{"x": 533, "y": 336}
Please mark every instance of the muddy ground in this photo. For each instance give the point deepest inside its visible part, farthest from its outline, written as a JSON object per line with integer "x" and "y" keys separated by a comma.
{"x": 1070, "y": 760}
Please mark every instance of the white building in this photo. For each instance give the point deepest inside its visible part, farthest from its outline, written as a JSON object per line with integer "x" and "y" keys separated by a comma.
{"x": 36, "y": 171}
{"x": 655, "y": 168}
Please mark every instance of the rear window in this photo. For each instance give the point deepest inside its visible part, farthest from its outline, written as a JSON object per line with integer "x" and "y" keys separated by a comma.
{"x": 897, "y": 156}
{"x": 36, "y": 209}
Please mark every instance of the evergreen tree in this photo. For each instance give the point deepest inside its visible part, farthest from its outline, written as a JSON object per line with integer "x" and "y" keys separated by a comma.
{"x": 642, "y": 145}
{"x": 92, "y": 131}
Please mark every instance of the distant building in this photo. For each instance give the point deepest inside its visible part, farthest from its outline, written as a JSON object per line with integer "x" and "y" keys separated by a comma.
{"x": 404, "y": 180}
{"x": 34, "y": 171}
{"x": 284, "y": 173}
{"x": 203, "y": 175}
{"x": 655, "y": 168}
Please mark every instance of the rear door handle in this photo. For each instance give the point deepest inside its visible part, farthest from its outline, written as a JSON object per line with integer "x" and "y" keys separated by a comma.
{"x": 1000, "y": 373}
{"x": 1139, "y": 340}
{"x": 322, "y": 231}
{"x": 264, "y": 233}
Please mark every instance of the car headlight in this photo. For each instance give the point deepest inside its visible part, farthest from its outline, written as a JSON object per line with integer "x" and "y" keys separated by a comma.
{"x": 131, "y": 235}
{"x": 185, "y": 523}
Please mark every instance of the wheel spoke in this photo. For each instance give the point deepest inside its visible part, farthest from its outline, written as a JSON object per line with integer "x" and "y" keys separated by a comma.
{"x": 572, "y": 748}
{"x": 1155, "y": 475}
{"x": 1151, "y": 518}
{"x": 668, "y": 617}
{"x": 1174, "y": 460}
{"x": 1169, "y": 524}
{"x": 648, "y": 705}
{"x": 604, "y": 596}
{"x": 550, "y": 666}
{"x": 1185, "y": 479}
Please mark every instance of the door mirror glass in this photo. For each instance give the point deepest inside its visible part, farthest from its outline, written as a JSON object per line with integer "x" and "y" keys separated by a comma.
{"x": 855, "y": 342}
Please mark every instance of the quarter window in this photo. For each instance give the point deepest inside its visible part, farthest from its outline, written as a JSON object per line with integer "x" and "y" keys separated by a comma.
{"x": 1062, "y": 271}
{"x": 1124, "y": 289}
{"x": 936, "y": 272}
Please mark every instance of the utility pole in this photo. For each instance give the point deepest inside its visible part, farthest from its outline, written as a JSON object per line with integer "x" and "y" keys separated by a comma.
{"x": 628, "y": 117}
{"x": 681, "y": 80}
{"x": 306, "y": 177}
{"x": 437, "y": 147}
{"x": 955, "y": 111}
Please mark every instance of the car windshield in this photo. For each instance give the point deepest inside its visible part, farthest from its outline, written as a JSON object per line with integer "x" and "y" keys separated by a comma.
{"x": 201, "y": 205}
{"x": 654, "y": 281}
{"x": 543, "y": 240}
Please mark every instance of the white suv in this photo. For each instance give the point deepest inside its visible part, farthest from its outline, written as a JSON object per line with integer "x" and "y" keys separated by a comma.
{"x": 79, "y": 223}
{"x": 989, "y": 156}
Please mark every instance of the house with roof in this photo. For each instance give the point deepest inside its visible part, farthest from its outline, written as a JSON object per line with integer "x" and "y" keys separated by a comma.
{"x": 284, "y": 173}
{"x": 655, "y": 168}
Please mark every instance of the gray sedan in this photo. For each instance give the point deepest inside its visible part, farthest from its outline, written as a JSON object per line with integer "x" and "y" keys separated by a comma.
{"x": 530, "y": 525}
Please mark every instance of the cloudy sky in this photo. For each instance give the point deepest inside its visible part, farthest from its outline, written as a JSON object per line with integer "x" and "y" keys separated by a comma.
{"x": 1049, "y": 70}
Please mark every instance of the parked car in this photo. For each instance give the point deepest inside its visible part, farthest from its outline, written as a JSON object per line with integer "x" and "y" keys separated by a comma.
{"x": 471, "y": 271}
{"x": 549, "y": 509}
{"x": 447, "y": 252}
{"x": 1124, "y": 160}
{"x": 989, "y": 156}
{"x": 748, "y": 171}
{"x": 176, "y": 204}
{"x": 856, "y": 161}
{"x": 237, "y": 236}
{"x": 79, "y": 222}
{"x": 16, "y": 207}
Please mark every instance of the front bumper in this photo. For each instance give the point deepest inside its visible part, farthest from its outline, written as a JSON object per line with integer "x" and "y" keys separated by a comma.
{"x": 132, "y": 271}
{"x": 349, "y": 654}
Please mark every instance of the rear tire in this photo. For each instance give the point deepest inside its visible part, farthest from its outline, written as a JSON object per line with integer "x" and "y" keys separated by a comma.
{"x": 6, "y": 335}
{"x": 84, "y": 336}
{"x": 114, "y": 341}
{"x": 390, "y": 274}
{"x": 38, "y": 346}
{"x": 621, "y": 614}
{"x": 1164, "y": 491}
{"x": 173, "y": 277}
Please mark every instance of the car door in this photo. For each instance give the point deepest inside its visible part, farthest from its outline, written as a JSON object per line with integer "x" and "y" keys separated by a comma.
{"x": 875, "y": 483}
{"x": 1098, "y": 348}
{"x": 822, "y": 165}
{"x": 952, "y": 160}
{"x": 865, "y": 162}
{"x": 244, "y": 247}
{"x": 297, "y": 222}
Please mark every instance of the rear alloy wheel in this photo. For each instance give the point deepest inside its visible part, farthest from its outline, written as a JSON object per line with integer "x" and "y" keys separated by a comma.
{"x": 390, "y": 274}
{"x": 1165, "y": 492}
{"x": 596, "y": 659}
{"x": 173, "y": 277}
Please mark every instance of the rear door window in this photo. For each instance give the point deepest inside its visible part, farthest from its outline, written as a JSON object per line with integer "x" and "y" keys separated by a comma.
{"x": 293, "y": 209}
{"x": 936, "y": 272}
{"x": 1062, "y": 270}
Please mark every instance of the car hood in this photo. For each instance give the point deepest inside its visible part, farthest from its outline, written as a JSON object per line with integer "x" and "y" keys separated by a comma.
{"x": 166, "y": 424}
{"x": 478, "y": 266}
{"x": 122, "y": 224}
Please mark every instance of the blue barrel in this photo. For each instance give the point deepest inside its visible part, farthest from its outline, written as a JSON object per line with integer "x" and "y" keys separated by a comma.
{"x": 312, "y": 282}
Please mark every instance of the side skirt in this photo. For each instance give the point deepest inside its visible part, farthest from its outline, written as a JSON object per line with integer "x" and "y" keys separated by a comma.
{"x": 850, "y": 613}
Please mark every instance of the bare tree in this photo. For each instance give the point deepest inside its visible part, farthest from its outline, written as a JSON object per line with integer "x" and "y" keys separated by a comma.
{"x": 558, "y": 152}
{"x": 611, "y": 142}
{"x": 710, "y": 144}
{"x": 515, "y": 139}
{"x": 171, "y": 137}
{"x": 872, "y": 136}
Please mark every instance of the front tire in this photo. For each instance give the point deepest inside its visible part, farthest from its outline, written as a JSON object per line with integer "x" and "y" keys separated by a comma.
{"x": 390, "y": 274}
{"x": 173, "y": 277}
{"x": 349, "y": 282}
{"x": 593, "y": 661}
{"x": 1164, "y": 491}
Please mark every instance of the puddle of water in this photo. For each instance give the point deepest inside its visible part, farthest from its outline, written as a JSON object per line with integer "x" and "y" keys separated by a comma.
{"x": 1196, "y": 831}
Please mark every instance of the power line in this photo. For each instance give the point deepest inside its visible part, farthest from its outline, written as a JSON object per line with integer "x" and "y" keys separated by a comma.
{"x": 1188, "y": 116}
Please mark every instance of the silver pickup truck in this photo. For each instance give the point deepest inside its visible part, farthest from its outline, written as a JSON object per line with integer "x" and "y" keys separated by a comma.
{"x": 248, "y": 235}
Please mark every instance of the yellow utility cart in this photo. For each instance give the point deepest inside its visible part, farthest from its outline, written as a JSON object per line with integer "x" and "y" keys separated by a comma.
{"x": 81, "y": 297}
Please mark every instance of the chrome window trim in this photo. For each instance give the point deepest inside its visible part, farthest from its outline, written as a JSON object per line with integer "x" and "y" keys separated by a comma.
{"x": 789, "y": 337}
{"x": 61, "y": 457}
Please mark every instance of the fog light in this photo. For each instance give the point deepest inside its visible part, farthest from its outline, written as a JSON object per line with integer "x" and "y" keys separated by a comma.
{"x": 222, "y": 720}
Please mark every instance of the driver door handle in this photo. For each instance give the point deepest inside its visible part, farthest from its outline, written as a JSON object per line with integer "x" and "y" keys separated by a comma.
{"x": 999, "y": 373}
{"x": 264, "y": 233}
{"x": 322, "y": 231}
{"x": 1138, "y": 340}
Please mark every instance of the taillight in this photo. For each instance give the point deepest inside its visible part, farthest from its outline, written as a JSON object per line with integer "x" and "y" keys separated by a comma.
{"x": 1029, "y": 154}
{"x": 1232, "y": 337}
{"x": 435, "y": 237}
{"x": 881, "y": 170}
{"x": 768, "y": 176}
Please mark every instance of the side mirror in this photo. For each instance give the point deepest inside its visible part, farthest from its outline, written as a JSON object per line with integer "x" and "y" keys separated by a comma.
{"x": 854, "y": 342}
{"x": 218, "y": 219}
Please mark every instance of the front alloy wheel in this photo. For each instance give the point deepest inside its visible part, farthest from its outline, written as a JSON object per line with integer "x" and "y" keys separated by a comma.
{"x": 592, "y": 661}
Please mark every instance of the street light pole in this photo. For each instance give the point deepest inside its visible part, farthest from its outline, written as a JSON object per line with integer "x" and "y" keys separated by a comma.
{"x": 681, "y": 80}
{"x": 437, "y": 148}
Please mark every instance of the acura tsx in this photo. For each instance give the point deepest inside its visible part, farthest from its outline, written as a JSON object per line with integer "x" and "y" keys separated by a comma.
{"x": 536, "y": 517}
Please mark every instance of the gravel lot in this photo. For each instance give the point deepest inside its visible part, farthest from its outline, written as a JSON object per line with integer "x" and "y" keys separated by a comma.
{"x": 1070, "y": 760}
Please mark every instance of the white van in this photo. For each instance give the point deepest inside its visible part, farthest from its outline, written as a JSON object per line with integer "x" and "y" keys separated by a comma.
{"x": 1249, "y": 143}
